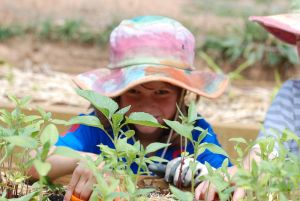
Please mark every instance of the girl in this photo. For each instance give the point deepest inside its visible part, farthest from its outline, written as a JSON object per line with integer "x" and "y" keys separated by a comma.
{"x": 151, "y": 69}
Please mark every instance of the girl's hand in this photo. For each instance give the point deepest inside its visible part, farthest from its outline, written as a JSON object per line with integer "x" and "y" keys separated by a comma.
{"x": 179, "y": 169}
{"x": 81, "y": 183}
{"x": 206, "y": 191}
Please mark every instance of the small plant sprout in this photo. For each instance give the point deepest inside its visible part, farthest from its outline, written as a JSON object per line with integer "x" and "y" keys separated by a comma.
{"x": 186, "y": 129}
{"x": 25, "y": 140}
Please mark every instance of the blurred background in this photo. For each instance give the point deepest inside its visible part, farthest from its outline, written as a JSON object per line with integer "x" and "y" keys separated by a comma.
{"x": 44, "y": 43}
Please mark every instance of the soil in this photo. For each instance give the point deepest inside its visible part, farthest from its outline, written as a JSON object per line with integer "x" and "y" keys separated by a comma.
{"x": 54, "y": 197}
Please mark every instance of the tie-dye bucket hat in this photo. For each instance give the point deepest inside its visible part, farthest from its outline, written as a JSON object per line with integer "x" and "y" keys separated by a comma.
{"x": 284, "y": 26}
{"x": 151, "y": 48}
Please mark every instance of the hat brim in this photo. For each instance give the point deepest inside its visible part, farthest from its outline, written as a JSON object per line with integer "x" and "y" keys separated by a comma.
{"x": 286, "y": 27}
{"x": 114, "y": 82}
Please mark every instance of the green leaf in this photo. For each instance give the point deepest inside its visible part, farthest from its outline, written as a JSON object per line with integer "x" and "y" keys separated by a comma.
{"x": 123, "y": 146}
{"x": 144, "y": 191}
{"x": 213, "y": 148}
{"x": 30, "y": 129}
{"x": 116, "y": 119}
{"x": 114, "y": 184}
{"x": 239, "y": 140}
{"x": 289, "y": 52}
{"x": 5, "y": 117}
{"x": 25, "y": 101}
{"x": 31, "y": 118}
{"x": 273, "y": 58}
{"x": 181, "y": 195}
{"x": 155, "y": 146}
{"x": 142, "y": 118}
{"x": 282, "y": 197}
{"x": 42, "y": 112}
{"x": 155, "y": 159}
{"x": 203, "y": 133}
{"x": 15, "y": 114}
{"x": 27, "y": 197}
{"x": 107, "y": 150}
{"x": 86, "y": 120}
{"x": 124, "y": 110}
{"x": 225, "y": 163}
{"x": 254, "y": 168}
{"x": 130, "y": 186}
{"x": 210, "y": 62}
{"x": 42, "y": 167}
{"x": 129, "y": 133}
{"x": 184, "y": 130}
{"x": 60, "y": 122}
{"x": 290, "y": 136}
{"x": 50, "y": 134}
{"x": 192, "y": 113}
{"x": 13, "y": 99}
{"x": 22, "y": 141}
{"x": 67, "y": 152}
{"x": 104, "y": 104}
{"x": 45, "y": 150}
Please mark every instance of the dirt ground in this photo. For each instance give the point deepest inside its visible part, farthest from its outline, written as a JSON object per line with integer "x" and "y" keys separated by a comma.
{"x": 76, "y": 58}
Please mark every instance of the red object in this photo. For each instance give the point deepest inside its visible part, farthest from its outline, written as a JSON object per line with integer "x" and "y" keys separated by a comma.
{"x": 73, "y": 128}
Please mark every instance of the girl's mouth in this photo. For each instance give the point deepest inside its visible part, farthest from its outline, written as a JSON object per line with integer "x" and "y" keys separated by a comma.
{"x": 159, "y": 119}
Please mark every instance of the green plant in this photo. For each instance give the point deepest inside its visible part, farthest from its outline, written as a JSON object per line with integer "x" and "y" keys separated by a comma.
{"x": 72, "y": 30}
{"x": 67, "y": 30}
{"x": 233, "y": 75}
{"x": 231, "y": 9}
{"x": 8, "y": 31}
{"x": 25, "y": 141}
{"x": 295, "y": 5}
{"x": 185, "y": 128}
{"x": 273, "y": 178}
{"x": 249, "y": 45}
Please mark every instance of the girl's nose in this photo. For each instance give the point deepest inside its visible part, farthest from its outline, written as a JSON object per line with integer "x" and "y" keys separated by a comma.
{"x": 147, "y": 101}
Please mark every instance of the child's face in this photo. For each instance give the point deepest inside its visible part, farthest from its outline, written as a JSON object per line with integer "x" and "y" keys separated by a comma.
{"x": 156, "y": 98}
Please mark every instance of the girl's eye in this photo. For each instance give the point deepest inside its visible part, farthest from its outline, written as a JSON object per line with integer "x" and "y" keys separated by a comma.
{"x": 133, "y": 91}
{"x": 161, "y": 92}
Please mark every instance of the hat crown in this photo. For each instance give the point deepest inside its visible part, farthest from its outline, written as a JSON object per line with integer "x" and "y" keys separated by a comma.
{"x": 151, "y": 40}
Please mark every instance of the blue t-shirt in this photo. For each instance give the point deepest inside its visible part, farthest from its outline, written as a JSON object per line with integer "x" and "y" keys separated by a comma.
{"x": 86, "y": 138}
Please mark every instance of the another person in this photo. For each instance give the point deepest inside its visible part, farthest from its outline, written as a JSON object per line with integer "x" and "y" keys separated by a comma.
{"x": 284, "y": 112}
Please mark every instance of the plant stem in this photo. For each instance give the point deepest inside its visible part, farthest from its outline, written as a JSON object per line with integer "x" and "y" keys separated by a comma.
{"x": 206, "y": 193}
{"x": 139, "y": 167}
{"x": 41, "y": 187}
